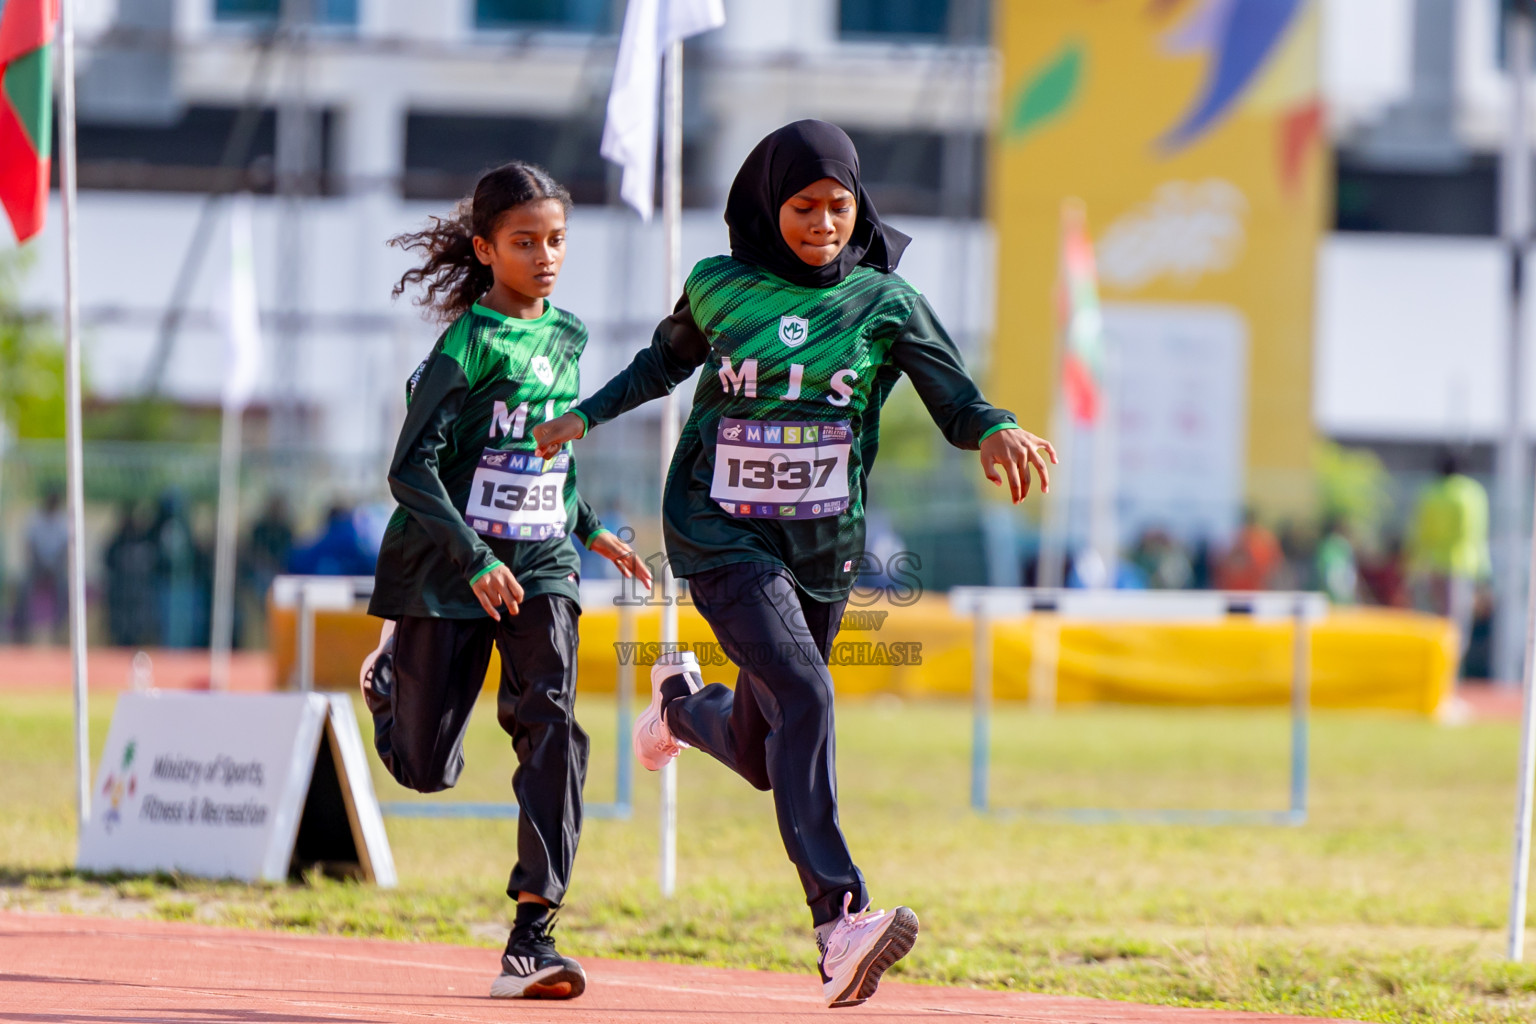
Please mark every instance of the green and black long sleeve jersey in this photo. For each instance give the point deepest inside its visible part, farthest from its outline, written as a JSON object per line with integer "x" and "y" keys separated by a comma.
{"x": 488, "y": 380}
{"x": 789, "y": 399}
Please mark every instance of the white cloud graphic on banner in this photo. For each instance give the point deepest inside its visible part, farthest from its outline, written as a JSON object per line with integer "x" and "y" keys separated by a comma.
{"x": 1185, "y": 231}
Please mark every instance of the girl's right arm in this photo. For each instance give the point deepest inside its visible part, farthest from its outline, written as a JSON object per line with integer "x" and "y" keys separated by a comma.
{"x": 677, "y": 348}
{"x": 413, "y": 472}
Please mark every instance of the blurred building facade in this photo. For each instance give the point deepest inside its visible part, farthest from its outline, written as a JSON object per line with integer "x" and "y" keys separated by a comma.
{"x": 354, "y": 120}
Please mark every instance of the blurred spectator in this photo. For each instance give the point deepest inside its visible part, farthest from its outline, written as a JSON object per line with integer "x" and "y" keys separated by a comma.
{"x": 42, "y": 610}
{"x": 177, "y": 592}
{"x": 264, "y": 555}
{"x": 131, "y": 560}
{"x": 1338, "y": 575}
{"x": 1251, "y": 561}
{"x": 1202, "y": 565}
{"x": 338, "y": 551}
{"x": 1448, "y": 545}
{"x": 1384, "y": 577}
{"x": 1162, "y": 561}
{"x": 1298, "y": 559}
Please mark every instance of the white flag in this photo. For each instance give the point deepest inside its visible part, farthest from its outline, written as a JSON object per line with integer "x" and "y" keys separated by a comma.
{"x": 629, "y": 135}
{"x": 243, "y": 325}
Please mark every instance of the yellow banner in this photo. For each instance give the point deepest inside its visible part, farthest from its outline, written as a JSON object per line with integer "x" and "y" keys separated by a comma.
{"x": 1193, "y": 131}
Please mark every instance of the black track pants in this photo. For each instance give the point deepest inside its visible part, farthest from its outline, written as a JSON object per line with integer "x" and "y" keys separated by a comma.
{"x": 436, "y": 671}
{"x": 776, "y": 730}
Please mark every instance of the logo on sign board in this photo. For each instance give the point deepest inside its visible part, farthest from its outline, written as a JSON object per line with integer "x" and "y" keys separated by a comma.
{"x": 543, "y": 371}
{"x": 793, "y": 330}
{"x": 121, "y": 784}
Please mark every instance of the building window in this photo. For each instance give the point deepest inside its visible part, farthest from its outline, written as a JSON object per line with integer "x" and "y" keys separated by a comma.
{"x": 324, "y": 12}
{"x": 187, "y": 154}
{"x": 930, "y": 174}
{"x": 1463, "y": 201}
{"x": 934, "y": 21}
{"x": 570, "y": 15}
{"x": 445, "y": 154}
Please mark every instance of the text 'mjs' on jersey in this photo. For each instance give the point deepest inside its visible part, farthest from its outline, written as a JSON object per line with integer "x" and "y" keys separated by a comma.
{"x": 488, "y": 381}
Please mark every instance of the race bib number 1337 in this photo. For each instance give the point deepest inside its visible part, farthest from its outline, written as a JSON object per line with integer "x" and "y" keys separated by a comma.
{"x": 778, "y": 469}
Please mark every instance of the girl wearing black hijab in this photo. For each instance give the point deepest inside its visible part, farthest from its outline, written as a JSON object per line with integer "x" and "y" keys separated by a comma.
{"x": 805, "y": 329}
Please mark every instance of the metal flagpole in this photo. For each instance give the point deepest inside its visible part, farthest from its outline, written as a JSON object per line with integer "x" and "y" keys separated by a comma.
{"x": 1520, "y": 26}
{"x": 75, "y": 485}
{"x": 1510, "y": 494}
{"x": 223, "y": 624}
{"x": 672, "y": 231}
{"x": 1521, "y": 874}
{"x": 242, "y": 338}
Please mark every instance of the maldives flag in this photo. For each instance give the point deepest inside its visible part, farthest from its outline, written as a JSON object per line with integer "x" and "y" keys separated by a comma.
{"x": 26, "y": 96}
{"x": 1078, "y": 320}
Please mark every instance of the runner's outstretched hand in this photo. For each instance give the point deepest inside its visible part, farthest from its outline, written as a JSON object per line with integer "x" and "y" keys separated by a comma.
{"x": 1016, "y": 451}
{"x": 621, "y": 555}
{"x": 498, "y": 587}
{"x": 550, "y": 436}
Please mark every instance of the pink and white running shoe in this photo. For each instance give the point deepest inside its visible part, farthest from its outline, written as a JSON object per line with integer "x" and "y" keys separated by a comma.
{"x": 655, "y": 746}
{"x": 860, "y": 948}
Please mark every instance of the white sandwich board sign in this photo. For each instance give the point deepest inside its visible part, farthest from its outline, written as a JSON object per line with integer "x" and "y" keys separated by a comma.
{"x": 248, "y": 786}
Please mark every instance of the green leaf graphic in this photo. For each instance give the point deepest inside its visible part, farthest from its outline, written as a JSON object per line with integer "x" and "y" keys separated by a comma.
{"x": 1047, "y": 94}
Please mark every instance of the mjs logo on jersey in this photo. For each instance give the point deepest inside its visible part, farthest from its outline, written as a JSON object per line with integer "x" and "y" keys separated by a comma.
{"x": 542, "y": 370}
{"x": 793, "y": 330}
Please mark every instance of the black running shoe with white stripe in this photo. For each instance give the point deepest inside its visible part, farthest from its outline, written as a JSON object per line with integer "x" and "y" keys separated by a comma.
{"x": 531, "y": 967}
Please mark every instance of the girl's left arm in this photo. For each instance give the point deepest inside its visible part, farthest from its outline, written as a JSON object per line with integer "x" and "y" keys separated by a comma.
{"x": 923, "y": 351}
{"x": 587, "y": 522}
{"x": 602, "y": 541}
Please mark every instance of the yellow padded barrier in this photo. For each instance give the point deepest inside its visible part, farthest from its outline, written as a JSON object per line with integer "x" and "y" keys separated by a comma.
{"x": 1361, "y": 658}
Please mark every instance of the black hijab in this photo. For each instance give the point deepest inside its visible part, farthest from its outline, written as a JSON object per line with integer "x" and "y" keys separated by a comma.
{"x": 782, "y": 164}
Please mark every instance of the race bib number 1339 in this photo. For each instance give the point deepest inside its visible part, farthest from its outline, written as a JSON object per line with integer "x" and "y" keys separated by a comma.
{"x": 518, "y": 496}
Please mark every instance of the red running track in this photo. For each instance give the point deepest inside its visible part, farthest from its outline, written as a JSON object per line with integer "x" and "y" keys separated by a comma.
{"x": 109, "y": 971}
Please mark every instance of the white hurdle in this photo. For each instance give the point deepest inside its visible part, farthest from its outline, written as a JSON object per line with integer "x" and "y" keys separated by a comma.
{"x": 987, "y": 605}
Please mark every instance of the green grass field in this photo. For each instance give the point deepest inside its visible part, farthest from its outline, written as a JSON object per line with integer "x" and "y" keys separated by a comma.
{"x": 1387, "y": 906}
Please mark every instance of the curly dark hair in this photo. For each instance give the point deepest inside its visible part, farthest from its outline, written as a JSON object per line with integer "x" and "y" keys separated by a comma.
{"x": 454, "y": 277}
